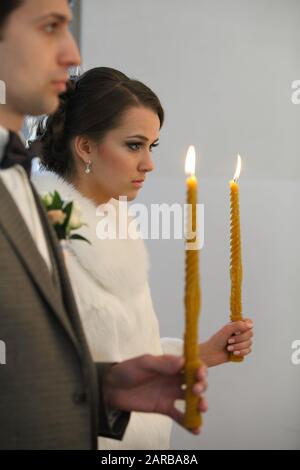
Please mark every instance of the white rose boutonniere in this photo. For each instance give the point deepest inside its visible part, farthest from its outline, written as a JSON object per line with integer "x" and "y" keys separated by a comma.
{"x": 65, "y": 216}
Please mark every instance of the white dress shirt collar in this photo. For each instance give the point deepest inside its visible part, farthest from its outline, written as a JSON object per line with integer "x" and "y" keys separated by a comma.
{"x": 16, "y": 181}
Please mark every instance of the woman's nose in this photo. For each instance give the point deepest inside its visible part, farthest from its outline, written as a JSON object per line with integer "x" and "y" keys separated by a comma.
{"x": 146, "y": 163}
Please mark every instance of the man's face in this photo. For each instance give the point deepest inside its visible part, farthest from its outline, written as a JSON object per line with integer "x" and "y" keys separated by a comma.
{"x": 35, "y": 53}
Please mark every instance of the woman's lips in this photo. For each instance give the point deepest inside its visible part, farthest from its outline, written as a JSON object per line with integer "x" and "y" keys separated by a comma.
{"x": 138, "y": 183}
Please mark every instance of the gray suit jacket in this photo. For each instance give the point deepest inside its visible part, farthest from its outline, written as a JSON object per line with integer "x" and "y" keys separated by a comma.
{"x": 50, "y": 390}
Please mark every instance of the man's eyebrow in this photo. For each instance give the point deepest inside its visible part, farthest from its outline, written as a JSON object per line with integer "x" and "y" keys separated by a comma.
{"x": 57, "y": 16}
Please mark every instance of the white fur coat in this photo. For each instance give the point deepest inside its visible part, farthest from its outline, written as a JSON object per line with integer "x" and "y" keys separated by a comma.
{"x": 110, "y": 281}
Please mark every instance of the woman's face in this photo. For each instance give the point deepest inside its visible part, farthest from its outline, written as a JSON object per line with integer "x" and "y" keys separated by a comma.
{"x": 121, "y": 161}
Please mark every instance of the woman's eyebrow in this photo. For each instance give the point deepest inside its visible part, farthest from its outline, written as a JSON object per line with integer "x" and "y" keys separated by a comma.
{"x": 142, "y": 137}
{"x": 138, "y": 136}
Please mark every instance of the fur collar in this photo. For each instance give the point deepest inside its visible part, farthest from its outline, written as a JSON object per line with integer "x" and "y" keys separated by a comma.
{"x": 120, "y": 266}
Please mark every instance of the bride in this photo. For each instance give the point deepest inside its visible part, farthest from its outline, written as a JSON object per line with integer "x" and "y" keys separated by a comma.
{"x": 96, "y": 148}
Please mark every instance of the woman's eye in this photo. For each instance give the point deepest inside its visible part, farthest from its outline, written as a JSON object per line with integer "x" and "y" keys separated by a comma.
{"x": 153, "y": 146}
{"x": 134, "y": 146}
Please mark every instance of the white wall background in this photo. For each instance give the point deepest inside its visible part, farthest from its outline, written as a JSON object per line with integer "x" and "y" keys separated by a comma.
{"x": 223, "y": 70}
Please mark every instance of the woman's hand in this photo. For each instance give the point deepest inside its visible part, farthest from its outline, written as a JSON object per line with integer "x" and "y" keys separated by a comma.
{"x": 235, "y": 337}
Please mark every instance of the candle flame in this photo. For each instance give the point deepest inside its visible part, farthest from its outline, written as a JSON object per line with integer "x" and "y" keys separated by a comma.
{"x": 190, "y": 162}
{"x": 238, "y": 169}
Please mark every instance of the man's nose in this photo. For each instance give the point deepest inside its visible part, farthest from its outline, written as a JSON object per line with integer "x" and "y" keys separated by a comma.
{"x": 69, "y": 53}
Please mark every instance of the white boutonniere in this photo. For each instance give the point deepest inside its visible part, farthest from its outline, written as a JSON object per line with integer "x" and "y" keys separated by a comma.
{"x": 65, "y": 216}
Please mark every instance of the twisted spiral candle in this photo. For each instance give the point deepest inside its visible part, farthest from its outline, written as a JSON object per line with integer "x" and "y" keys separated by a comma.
{"x": 192, "y": 301}
{"x": 236, "y": 268}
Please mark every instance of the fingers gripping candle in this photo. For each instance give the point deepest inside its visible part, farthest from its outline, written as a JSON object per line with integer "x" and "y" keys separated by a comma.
{"x": 192, "y": 297}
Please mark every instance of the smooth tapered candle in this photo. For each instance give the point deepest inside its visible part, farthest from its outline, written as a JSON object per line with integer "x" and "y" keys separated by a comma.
{"x": 236, "y": 268}
{"x": 192, "y": 299}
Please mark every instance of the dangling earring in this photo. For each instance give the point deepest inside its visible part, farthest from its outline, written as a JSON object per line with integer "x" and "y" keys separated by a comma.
{"x": 88, "y": 167}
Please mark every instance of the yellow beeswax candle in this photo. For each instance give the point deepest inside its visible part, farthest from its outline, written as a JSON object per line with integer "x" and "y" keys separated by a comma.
{"x": 192, "y": 298}
{"x": 236, "y": 268}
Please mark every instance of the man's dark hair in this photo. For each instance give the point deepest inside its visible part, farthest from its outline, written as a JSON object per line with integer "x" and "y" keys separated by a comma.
{"x": 6, "y": 8}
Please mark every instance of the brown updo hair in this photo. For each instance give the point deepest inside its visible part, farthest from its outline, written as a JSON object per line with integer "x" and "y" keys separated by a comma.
{"x": 93, "y": 104}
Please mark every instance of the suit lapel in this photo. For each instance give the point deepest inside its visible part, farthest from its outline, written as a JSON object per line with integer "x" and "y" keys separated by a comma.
{"x": 15, "y": 228}
{"x": 62, "y": 274}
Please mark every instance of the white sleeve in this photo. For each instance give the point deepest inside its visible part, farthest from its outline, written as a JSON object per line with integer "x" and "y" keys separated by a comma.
{"x": 172, "y": 346}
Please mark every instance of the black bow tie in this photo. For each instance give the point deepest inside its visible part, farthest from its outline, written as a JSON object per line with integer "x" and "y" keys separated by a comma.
{"x": 16, "y": 154}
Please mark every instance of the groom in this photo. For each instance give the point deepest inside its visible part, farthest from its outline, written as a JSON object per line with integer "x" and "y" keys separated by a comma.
{"x": 52, "y": 396}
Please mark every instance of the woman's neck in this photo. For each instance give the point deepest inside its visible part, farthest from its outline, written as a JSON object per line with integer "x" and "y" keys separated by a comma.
{"x": 89, "y": 191}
